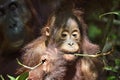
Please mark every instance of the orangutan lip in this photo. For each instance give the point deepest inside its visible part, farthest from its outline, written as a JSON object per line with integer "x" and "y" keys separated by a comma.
{"x": 18, "y": 43}
{"x": 67, "y": 52}
{"x": 71, "y": 53}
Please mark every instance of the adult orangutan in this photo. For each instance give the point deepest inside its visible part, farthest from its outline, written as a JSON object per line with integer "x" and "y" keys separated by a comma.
{"x": 14, "y": 33}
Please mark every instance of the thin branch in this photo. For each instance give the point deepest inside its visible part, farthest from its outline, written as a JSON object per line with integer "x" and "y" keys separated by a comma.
{"x": 115, "y": 22}
{"x": 116, "y": 13}
{"x": 96, "y": 55}
{"x": 31, "y": 68}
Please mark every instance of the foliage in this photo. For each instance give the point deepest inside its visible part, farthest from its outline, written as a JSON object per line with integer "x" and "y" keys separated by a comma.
{"x": 1, "y": 77}
{"x": 20, "y": 77}
{"x": 94, "y": 31}
{"x": 114, "y": 69}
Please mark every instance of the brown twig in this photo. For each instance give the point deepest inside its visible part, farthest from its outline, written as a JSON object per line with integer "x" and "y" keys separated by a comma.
{"x": 84, "y": 55}
{"x": 96, "y": 55}
{"x": 31, "y": 68}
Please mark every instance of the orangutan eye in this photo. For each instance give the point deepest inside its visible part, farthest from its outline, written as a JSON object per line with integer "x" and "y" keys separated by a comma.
{"x": 13, "y": 6}
{"x": 64, "y": 35}
{"x": 75, "y": 35}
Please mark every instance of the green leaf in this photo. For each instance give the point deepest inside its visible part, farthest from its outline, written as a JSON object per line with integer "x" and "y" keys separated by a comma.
{"x": 108, "y": 68}
{"x": 111, "y": 78}
{"x": 1, "y": 77}
{"x": 11, "y": 77}
{"x": 17, "y": 77}
{"x": 113, "y": 36}
{"x": 94, "y": 31}
{"x": 117, "y": 62}
{"x": 23, "y": 76}
{"x": 107, "y": 46}
{"x": 114, "y": 69}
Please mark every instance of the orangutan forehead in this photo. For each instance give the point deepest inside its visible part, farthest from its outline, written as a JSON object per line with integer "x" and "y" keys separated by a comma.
{"x": 71, "y": 23}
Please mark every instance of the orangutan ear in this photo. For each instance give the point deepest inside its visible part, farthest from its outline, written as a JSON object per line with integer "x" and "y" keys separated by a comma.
{"x": 47, "y": 31}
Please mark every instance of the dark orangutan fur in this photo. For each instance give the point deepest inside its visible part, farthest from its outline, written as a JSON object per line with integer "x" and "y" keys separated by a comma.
{"x": 59, "y": 64}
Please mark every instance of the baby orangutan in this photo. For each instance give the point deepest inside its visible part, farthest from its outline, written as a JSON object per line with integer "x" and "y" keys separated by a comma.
{"x": 63, "y": 37}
